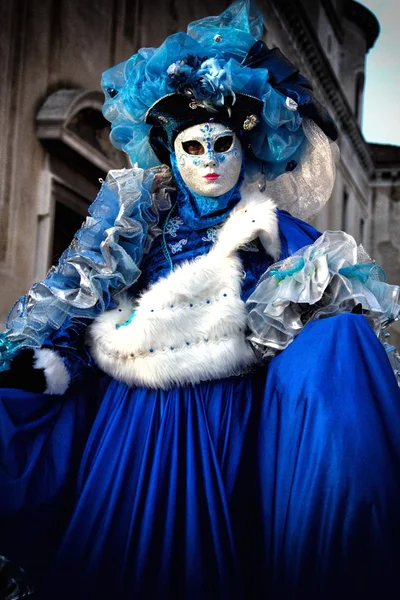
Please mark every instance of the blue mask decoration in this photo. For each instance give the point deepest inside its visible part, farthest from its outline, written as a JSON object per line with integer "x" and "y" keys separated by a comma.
{"x": 200, "y": 212}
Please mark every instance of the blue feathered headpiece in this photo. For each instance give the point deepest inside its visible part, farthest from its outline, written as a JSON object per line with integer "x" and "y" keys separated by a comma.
{"x": 218, "y": 59}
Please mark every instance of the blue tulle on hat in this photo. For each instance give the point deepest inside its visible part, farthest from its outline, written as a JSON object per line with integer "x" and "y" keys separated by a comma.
{"x": 232, "y": 33}
{"x": 216, "y": 59}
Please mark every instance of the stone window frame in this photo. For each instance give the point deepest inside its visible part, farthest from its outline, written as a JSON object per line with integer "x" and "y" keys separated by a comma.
{"x": 67, "y": 149}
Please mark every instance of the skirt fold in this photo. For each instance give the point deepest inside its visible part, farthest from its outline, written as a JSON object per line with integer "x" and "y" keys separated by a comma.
{"x": 281, "y": 484}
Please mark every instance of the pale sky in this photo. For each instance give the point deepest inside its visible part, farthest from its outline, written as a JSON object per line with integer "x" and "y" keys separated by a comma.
{"x": 381, "y": 120}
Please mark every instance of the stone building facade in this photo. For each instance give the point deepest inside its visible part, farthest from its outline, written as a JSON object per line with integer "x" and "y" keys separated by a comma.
{"x": 54, "y": 141}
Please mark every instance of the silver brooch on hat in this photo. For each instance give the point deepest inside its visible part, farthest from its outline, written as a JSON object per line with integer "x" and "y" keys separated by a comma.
{"x": 250, "y": 122}
{"x": 291, "y": 104}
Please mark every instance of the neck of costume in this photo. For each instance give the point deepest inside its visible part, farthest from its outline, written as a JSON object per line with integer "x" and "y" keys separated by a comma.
{"x": 201, "y": 212}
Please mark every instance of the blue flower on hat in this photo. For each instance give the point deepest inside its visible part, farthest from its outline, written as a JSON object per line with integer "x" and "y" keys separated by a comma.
{"x": 201, "y": 80}
{"x": 217, "y": 59}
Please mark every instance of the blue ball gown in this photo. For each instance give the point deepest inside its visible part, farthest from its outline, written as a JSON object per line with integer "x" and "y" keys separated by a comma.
{"x": 283, "y": 483}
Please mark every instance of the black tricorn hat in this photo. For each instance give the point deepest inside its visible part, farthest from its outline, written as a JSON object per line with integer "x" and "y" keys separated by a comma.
{"x": 175, "y": 112}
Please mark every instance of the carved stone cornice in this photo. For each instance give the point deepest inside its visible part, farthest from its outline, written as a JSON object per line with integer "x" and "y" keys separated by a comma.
{"x": 295, "y": 20}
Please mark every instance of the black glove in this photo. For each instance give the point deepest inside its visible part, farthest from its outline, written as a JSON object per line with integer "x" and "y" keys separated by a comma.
{"x": 22, "y": 375}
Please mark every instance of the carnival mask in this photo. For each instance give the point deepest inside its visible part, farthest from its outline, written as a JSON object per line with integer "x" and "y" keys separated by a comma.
{"x": 209, "y": 158}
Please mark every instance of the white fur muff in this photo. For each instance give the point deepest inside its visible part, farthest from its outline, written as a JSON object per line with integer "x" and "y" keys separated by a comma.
{"x": 191, "y": 325}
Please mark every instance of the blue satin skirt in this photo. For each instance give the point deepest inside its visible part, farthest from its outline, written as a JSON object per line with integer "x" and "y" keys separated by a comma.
{"x": 283, "y": 484}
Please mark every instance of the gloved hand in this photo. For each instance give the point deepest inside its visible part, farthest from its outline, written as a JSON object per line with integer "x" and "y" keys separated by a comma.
{"x": 23, "y": 375}
{"x": 40, "y": 371}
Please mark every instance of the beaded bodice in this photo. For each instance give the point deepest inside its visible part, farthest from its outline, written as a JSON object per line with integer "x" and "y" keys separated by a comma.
{"x": 179, "y": 243}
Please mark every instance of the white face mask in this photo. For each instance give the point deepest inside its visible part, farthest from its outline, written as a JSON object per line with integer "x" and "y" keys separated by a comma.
{"x": 209, "y": 158}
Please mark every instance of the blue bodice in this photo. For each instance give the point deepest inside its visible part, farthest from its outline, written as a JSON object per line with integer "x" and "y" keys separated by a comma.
{"x": 180, "y": 242}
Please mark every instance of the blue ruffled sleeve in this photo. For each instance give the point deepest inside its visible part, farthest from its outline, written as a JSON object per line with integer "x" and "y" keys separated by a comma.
{"x": 102, "y": 260}
{"x": 315, "y": 280}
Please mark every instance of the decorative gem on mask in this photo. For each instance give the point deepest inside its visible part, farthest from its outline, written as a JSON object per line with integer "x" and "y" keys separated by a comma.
{"x": 217, "y": 38}
{"x": 250, "y": 122}
{"x": 291, "y": 104}
{"x": 162, "y": 119}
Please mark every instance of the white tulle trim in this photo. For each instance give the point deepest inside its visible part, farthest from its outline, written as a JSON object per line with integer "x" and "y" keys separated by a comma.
{"x": 329, "y": 277}
{"x": 394, "y": 359}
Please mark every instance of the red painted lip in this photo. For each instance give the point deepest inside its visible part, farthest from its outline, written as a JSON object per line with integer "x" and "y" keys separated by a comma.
{"x": 211, "y": 176}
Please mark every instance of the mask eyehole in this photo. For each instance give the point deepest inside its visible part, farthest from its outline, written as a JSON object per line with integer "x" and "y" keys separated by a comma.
{"x": 224, "y": 143}
{"x": 193, "y": 147}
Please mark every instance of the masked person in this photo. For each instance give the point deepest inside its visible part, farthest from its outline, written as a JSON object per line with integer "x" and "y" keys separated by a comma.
{"x": 208, "y": 403}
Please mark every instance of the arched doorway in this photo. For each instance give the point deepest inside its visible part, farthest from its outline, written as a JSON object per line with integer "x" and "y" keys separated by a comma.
{"x": 71, "y": 127}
